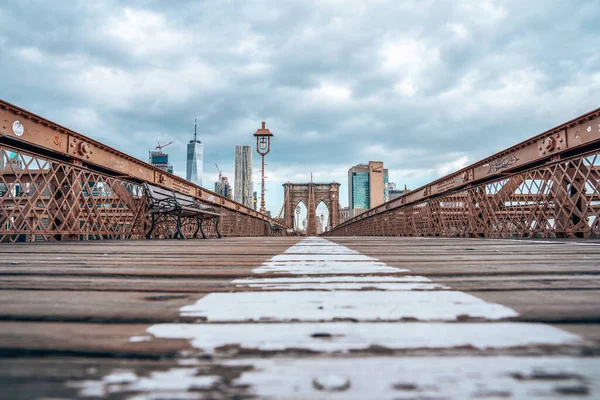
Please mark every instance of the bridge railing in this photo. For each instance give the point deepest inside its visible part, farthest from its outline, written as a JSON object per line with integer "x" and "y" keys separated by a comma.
{"x": 547, "y": 186}
{"x": 56, "y": 184}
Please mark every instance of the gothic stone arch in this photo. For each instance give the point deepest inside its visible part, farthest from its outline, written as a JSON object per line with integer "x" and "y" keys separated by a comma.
{"x": 312, "y": 194}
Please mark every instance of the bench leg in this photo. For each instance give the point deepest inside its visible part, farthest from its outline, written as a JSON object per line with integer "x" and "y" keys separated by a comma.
{"x": 202, "y": 228}
{"x": 199, "y": 228}
{"x": 149, "y": 234}
{"x": 179, "y": 234}
{"x": 217, "y": 227}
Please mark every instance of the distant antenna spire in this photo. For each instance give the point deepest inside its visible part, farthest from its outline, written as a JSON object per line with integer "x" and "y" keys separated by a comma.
{"x": 195, "y": 120}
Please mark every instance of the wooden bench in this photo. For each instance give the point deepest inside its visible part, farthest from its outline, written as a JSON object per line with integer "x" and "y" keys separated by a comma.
{"x": 165, "y": 204}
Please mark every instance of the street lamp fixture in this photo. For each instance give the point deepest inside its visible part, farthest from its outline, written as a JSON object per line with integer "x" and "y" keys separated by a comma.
{"x": 263, "y": 147}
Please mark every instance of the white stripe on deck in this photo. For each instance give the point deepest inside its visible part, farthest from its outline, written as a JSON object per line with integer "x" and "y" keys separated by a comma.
{"x": 326, "y": 267}
{"x": 345, "y": 286}
{"x": 171, "y": 384}
{"x": 321, "y": 257}
{"x": 328, "y": 306}
{"x": 346, "y": 336}
{"x": 422, "y": 377}
{"x": 341, "y": 283}
{"x": 335, "y": 279}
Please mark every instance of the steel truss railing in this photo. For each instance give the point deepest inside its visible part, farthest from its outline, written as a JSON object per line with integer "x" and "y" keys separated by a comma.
{"x": 548, "y": 186}
{"x": 56, "y": 184}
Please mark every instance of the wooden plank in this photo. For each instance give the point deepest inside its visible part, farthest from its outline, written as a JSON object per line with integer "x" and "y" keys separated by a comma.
{"x": 84, "y": 339}
{"x": 72, "y": 301}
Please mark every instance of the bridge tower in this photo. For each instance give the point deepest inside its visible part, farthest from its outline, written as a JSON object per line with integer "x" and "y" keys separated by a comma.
{"x": 312, "y": 194}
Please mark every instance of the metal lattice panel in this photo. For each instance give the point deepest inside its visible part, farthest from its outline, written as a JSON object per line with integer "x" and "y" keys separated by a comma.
{"x": 558, "y": 199}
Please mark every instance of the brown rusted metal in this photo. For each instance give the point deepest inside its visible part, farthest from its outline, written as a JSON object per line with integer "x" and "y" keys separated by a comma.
{"x": 47, "y": 135}
{"x": 56, "y": 184}
{"x": 548, "y": 186}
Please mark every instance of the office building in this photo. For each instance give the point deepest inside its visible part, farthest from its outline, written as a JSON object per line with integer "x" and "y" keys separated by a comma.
{"x": 160, "y": 160}
{"x": 194, "y": 165}
{"x": 223, "y": 188}
{"x": 367, "y": 187}
{"x": 243, "y": 187}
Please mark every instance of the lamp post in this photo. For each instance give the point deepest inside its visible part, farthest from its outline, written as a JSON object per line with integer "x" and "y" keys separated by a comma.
{"x": 263, "y": 146}
{"x": 322, "y": 226}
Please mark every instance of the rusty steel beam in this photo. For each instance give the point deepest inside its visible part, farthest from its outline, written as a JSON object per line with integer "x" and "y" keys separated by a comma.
{"x": 26, "y": 127}
{"x": 567, "y": 188}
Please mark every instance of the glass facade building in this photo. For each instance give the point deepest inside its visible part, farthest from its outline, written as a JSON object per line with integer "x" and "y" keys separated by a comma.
{"x": 193, "y": 172}
{"x": 361, "y": 178}
{"x": 359, "y": 186}
{"x": 160, "y": 160}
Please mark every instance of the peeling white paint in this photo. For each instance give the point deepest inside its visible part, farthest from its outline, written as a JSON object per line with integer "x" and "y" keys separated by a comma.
{"x": 316, "y": 249}
{"x": 346, "y": 286}
{"x": 173, "y": 383}
{"x": 341, "y": 283}
{"x": 322, "y": 268}
{"x": 326, "y": 306}
{"x": 322, "y": 257}
{"x": 423, "y": 377}
{"x": 334, "y": 279}
{"x": 136, "y": 339}
{"x": 346, "y": 336}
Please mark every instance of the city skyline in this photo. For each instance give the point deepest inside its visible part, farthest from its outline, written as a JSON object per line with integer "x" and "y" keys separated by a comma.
{"x": 427, "y": 89}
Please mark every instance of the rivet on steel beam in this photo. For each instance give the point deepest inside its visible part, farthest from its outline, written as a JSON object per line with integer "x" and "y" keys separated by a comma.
{"x": 549, "y": 144}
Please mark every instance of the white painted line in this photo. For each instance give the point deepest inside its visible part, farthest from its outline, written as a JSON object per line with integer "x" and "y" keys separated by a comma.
{"x": 421, "y": 377}
{"x": 171, "y": 384}
{"x": 341, "y": 283}
{"x": 321, "y": 267}
{"x": 327, "y": 306}
{"x": 346, "y": 336}
{"x": 331, "y": 279}
{"x": 319, "y": 250}
{"x": 322, "y": 257}
{"x": 135, "y": 339}
{"x": 346, "y": 286}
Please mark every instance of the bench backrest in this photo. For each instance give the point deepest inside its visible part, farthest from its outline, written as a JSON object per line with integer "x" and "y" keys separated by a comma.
{"x": 185, "y": 199}
{"x": 159, "y": 194}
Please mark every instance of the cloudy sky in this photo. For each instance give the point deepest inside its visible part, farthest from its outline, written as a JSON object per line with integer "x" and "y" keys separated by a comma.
{"x": 425, "y": 86}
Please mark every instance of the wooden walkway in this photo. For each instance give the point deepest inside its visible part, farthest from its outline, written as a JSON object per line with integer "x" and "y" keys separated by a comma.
{"x": 407, "y": 318}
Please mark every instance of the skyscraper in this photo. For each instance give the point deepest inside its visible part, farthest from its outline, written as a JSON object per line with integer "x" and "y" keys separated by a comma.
{"x": 160, "y": 160}
{"x": 243, "y": 187}
{"x": 195, "y": 151}
{"x": 223, "y": 188}
{"x": 367, "y": 187}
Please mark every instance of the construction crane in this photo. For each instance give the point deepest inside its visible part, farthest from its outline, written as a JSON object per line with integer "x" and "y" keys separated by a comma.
{"x": 219, "y": 171}
{"x": 160, "y": 147}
